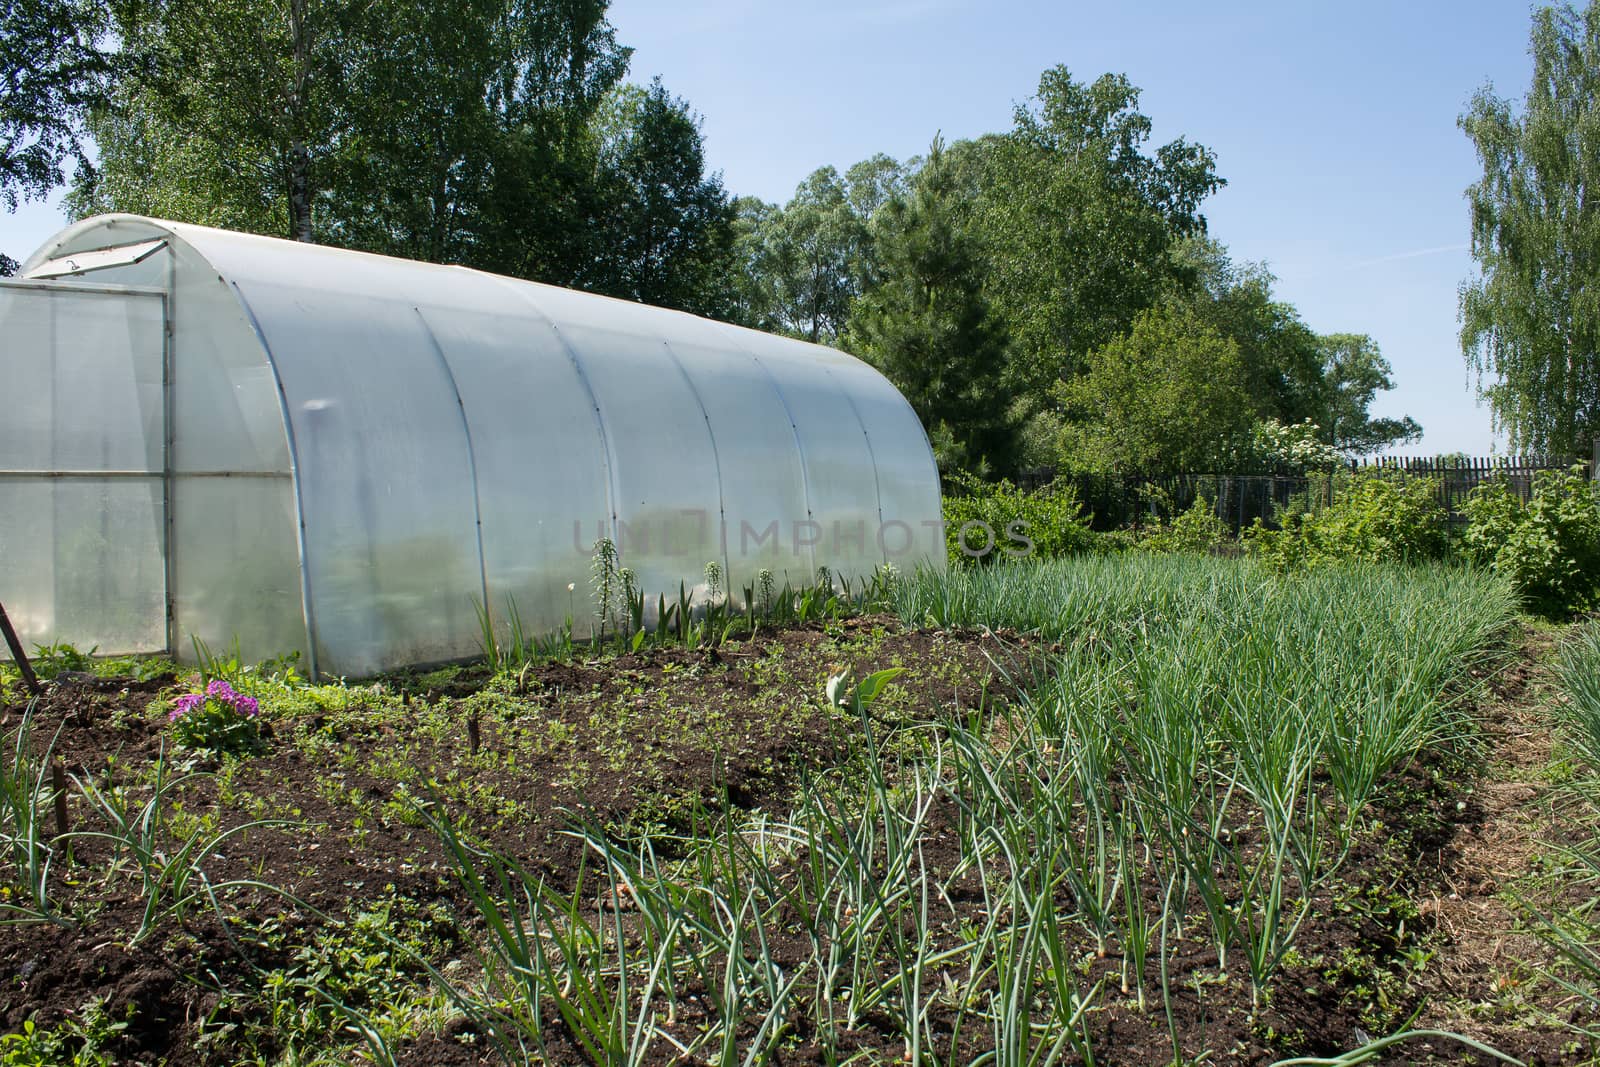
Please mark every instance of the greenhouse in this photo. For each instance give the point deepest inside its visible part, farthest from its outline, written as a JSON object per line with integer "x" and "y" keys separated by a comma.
{"x": 233, "y": 437}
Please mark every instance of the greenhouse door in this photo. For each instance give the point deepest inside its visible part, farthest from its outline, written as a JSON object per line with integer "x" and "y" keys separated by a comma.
{"x": 83, "y": 445}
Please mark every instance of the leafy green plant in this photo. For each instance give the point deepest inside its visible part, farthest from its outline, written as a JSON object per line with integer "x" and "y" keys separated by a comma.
{"x": 632, "y": 604}
{"x": 556, "y": 646}
{"x": 230, "y": 666}
{"x": 606, "y": 581}
{"x": 989, "y": 521}
{"x": 1380, "y": 516}
{"x": 1195, "y": 531}
{"x": 1574, "y": 932}
{"x": 542, "y": 948}
{"x": 1369, "y": 1052}
{"x": 1295, "y": 444}
{"x": 219, "y": 720}
{"x": 518, "y": 646}
{"x": 1550, "y": 546}
{"x": 227, "y": 666}
{"x": 170, "y": 862}
{"x": 1578, "y": 675}
{"x": 49, "y": 661}
{"x": 1576, "y": 936}
{"x": 1300, "y": 695}
{"x": 79, "y": 1042}
{"x": 488, "y": 640}
{"x": 364, "y": 974}
{"x": 765, "y": 584}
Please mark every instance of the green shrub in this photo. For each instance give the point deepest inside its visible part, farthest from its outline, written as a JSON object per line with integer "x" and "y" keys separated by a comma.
{"x": 1197, "y": 530}
{"x": 1549, "y": 547}
{"x": 985, "y": 521}
{"x": 1380, "y": 516}
{"x": 1111, "y": 542}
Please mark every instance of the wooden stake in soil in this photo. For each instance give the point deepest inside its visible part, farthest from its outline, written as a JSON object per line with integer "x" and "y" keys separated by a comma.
{"x": 472, "y": 734}
{"x": 58, "y": 782}
{"x": 21, "y": 658}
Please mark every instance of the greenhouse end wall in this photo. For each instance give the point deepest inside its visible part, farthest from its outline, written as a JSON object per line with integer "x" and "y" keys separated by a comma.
{"x": 364, "y": 447}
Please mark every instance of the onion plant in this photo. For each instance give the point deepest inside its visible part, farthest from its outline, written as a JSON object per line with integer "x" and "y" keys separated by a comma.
{"x": 170, "y": 863}
{"x": 1578, "y": 675}
{"x": 26, "y": 798}
{"x": 1194, "y": 764}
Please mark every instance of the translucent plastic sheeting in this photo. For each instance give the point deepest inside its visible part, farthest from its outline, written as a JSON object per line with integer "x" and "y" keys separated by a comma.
{"x": 841, "y": 474}
{"x": 84, "y": 370}
{"x": 224, "y": 395}
{"x": 385, "y": 477}
{"x": 236, "y": 566}
{"x": 666, "y": 492}
{"x": 763, "y": 495}
{"x": 81, "y": 561}
{"x": 398, "y": 439}
{"x": 82, "y": 538}
{"x": 540, "y": 461}
{"x": 908, "y": 536}
{"x": 225, "y": 398}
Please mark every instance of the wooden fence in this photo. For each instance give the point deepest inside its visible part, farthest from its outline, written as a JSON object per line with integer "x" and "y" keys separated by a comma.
{"x": 1241, "y": 497}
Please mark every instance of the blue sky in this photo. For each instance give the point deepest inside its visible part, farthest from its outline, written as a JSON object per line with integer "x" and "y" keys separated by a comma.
{"x": 1335, "y": 125}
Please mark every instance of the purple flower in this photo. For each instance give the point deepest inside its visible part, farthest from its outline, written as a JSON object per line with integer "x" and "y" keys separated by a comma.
{"x": 184, "y": 705}
{"x": 220, "y": 692}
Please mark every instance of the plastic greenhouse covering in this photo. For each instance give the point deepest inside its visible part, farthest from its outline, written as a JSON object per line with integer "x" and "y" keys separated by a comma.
{"x": 234, "y": 437}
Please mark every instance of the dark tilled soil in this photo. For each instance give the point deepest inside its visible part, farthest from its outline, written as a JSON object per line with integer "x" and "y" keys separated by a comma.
{"x": 750, "y": 754}
{"x": 744, "y": 725}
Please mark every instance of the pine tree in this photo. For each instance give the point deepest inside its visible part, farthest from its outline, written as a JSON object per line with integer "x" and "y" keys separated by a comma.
{"x": 926, "y": 323}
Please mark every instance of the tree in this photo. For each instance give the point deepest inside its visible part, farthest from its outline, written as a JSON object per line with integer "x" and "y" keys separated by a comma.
{"x": 1080, "y": 220}
{"x": 464, "y": 106}
{"x": 228, "y": 113}
{"x": 1293, "y": 375}
{"x": 1354, "y": 372}
{"x": 874, "y": 182}
{"x": 925, "y": 321}
{"x": 1282, "y": 356}
{"x": 539, "y": 214}
{"x": 1530, "y": 320}
{"x": 51, "y": 70}
{"x": 1171, "y": 395}
{"x": 491, "y": 133}
{"x": 803, "y": 264}
{"x": 813, "y": 255}
{"x": 755, "y": 298}
{"x": 231, "y": 112}
{"x": 668, "y": 225}
{"x": 386, "y": 125}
